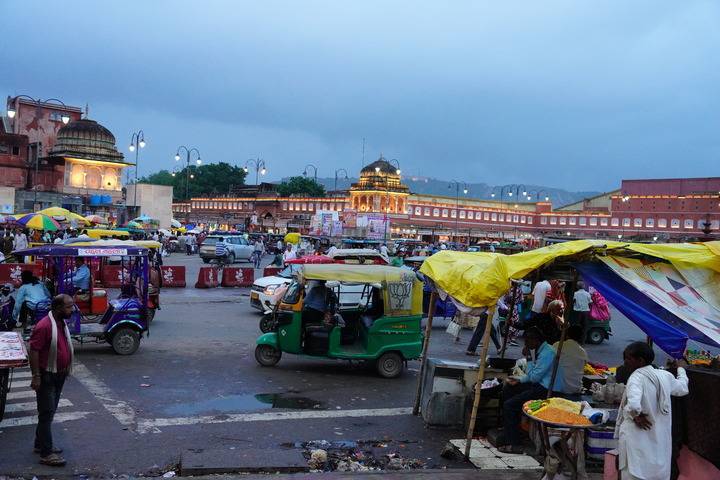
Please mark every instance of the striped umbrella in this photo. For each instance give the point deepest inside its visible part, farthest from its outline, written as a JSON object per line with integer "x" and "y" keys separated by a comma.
{"x": 38, "y": 221}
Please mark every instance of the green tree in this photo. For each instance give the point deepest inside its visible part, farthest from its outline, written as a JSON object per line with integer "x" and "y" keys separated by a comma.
{"x": 301, "y": 185}
{"x": 208, "y": 179}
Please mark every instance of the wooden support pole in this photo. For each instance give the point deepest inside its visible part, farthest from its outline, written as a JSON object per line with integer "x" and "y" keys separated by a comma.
{"x": 423, "y": 355}
{"x": 480, "y": 378}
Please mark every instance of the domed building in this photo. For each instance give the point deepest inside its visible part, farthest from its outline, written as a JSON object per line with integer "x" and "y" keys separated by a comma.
{"x": 91, "y": 160}
{"x": 379, "y": 189}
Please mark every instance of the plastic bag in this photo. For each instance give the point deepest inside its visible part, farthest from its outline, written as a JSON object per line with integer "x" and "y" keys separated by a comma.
{"x": 453, "y": 328}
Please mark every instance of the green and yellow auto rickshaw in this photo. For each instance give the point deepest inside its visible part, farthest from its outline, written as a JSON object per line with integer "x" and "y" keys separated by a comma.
{"x": 383, "y": 327}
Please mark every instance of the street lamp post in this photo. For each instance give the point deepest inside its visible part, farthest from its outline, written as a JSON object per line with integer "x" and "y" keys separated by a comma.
{"x": 137, "y": 141}
{"x": 305, "y": 171}
{"x": 339, "y": 170}
{"x": 457, "y": 202}
{"x": 188, "y": 154}
{"x": 11, "y": 112}
{"x": 259, "y": 165}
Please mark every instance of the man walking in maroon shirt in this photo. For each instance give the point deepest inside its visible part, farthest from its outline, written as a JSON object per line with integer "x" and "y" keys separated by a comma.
{"x": 51, "y": 355}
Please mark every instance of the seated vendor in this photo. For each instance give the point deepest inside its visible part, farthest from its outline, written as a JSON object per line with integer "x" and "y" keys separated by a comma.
{"x": 572, "y": 364}
{"x": 319, "y": 299}
{"x": 531, "y": 386}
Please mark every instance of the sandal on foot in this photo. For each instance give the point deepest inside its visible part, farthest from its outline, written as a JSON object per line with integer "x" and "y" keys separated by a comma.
{"x": 54, "y": 460}
{"x": 472, "y": 354}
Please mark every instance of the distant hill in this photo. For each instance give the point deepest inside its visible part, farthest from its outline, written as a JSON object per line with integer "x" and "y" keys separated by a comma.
{"x": 432, "y": 186}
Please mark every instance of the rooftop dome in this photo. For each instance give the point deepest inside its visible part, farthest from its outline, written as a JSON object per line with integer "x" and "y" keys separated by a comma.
{"x": 384, "y": 165}
{"x": 380, "y": 175}
{"x": 86, "y": 139}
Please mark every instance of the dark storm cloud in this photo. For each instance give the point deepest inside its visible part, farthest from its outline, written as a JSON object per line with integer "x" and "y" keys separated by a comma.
{"x": 563, "y": 93}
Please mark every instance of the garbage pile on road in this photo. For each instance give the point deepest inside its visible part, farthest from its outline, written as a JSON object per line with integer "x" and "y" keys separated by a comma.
{"x": 349, "y": 456}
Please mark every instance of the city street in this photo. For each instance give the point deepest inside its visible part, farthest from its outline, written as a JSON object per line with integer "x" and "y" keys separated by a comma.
{"x": 194, "y": 387}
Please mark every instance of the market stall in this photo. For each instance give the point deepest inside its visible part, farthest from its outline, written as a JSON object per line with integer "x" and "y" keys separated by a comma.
{"x": 669, "y": 291}
{"x": 13, "y": 354}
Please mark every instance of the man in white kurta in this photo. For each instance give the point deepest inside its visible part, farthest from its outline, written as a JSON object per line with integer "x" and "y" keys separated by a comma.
{"x": 644, "y": 426}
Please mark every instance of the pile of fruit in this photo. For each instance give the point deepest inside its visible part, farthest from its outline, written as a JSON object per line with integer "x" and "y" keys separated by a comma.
{"x": 557, "y": 410}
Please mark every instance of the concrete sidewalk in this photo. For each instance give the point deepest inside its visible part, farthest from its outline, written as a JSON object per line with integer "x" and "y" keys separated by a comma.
{"x": 459, "y": 474}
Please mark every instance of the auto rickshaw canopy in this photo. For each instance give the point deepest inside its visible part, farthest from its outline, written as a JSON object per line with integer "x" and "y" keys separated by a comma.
{"x": 83, "y": 249}
{"x": 402, "y": 290}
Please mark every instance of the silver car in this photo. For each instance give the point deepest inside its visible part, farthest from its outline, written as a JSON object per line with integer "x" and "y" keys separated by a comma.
{"x": 237, "y": 247}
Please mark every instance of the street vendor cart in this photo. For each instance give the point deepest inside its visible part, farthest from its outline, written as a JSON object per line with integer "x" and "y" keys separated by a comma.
{"x": 12, "y": 355}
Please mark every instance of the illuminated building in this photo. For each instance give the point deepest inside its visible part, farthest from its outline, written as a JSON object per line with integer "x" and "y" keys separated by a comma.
{"x": 649, "y": 210}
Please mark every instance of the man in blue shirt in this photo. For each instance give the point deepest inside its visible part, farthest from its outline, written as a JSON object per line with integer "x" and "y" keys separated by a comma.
{"x": 533, "y": 385}
{"x": 81, "y": 276}
{"x": 318, "y": 300}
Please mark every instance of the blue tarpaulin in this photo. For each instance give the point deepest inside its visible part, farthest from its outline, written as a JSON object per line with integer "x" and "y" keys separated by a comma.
{"x": 667, "y": 330}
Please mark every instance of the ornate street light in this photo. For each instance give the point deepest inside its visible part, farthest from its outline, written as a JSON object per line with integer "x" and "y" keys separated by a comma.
{"x": 457, "y": 202}
{"x": 188, "y": 175}
{"x": 259, "y": 165}
{"x": 137, "y": 141}
{"x": 305, "y": 172}
{"x": 340, "y": 170}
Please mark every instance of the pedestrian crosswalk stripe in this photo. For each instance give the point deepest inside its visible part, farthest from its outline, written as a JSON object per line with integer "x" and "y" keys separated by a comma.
{"x": 21, "y": 394}
{"x": 32, "y": 420}
{"x": 21, "y": 409}
{"x": 32, "y": 406}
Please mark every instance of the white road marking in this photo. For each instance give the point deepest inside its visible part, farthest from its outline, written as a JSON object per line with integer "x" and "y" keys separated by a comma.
{"x": 31, "y": 406}
{"x": 32, "y": 420}
{"x": 19, "y": 384}
{"x": 22, "y": 374}
{"x": 151, "y": 425}
{"x": 21, "y": 394}
{"x": 119, "y": 409}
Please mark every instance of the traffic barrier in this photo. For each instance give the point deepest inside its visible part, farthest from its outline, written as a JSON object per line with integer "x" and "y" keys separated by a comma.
{"x": 207, "y": 277}
{"x": 237, "y": 277}
{"x": 173, "y": 276}
{"x": 270, "y": 271}
{"x": 10, "y": 272}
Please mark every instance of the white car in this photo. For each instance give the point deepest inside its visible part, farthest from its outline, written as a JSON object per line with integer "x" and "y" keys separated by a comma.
{"x": 264, "y": 288}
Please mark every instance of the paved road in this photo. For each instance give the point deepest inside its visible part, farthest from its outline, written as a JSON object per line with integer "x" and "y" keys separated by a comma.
{"x": 194, "y": 384}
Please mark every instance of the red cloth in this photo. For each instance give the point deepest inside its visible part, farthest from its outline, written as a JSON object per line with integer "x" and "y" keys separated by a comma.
{"x": 40, "y": 342}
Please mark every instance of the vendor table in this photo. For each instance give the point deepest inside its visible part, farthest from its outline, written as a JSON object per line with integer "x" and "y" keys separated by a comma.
{"x": 12, "y": 354}
{"x": 561, "y": 453}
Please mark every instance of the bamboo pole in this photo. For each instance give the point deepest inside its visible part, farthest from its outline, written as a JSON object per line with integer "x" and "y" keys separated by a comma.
{"x": 423, "y": 355}
{"x": 480, "y": 378}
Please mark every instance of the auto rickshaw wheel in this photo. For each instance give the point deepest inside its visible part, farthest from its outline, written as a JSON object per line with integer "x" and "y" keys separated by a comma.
{"x": 267, "y": 356}
{"x": 267, "y": 323}
{"x": 596, "y": 336}
{"x": 125, "y": 341}
{"x": 390, "y": 365}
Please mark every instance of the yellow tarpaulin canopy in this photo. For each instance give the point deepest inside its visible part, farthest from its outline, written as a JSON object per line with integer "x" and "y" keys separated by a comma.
{"x": 479, "y": 279}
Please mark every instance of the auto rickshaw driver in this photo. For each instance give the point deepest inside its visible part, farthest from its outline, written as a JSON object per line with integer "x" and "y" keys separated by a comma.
{"x": 320, "y": 303}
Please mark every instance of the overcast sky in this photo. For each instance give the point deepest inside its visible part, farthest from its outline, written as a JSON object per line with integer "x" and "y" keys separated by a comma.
{"x": 566, "y": 93}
